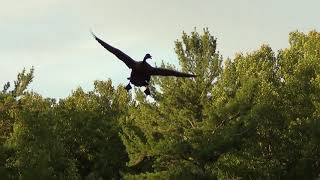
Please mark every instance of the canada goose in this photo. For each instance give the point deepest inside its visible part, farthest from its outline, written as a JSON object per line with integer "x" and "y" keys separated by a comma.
{"x": 141, "y": 70}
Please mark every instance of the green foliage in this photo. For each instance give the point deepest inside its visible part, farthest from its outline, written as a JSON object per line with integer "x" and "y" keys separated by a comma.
{"x": 35, "y": 143}
{"x": 9, "y": 108}
{"x": 89, "y": 126}
{"x": 256, "y": 116}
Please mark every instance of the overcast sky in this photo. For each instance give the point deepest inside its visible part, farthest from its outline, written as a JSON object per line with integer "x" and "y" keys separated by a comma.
{"x": 54, "y": 35}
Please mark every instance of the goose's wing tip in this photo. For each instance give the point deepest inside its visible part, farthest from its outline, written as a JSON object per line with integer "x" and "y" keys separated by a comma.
{"x": 92, "y": 33}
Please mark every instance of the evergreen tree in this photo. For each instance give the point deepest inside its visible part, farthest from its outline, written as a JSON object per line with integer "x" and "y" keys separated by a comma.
{"x": 165, "y": 137}
{"x": 89, "y": 128}
{"x": 9, "y": 106}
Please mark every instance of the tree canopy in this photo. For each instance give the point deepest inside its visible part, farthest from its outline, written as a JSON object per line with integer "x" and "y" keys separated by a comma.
{"x": 256, "y": 116}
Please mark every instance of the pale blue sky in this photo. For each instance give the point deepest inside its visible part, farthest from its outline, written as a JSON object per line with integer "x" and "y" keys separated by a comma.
{"x": 53, "y": 35}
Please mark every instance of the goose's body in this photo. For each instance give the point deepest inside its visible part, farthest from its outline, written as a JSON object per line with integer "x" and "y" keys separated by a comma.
{"x": 140, "y": 74}
{"x": 141, "y": 71}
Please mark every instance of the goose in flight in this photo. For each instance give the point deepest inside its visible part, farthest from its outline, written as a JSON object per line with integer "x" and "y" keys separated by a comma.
{"x": 141, "y": 70}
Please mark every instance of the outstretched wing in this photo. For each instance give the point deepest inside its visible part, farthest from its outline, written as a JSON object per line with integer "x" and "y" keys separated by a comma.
{"x": 168, "y": 72}
{"x": 121, "y": 55}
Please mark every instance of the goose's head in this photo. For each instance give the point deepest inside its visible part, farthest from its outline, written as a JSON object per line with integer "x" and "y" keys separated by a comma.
{"x": 147, "y": 56}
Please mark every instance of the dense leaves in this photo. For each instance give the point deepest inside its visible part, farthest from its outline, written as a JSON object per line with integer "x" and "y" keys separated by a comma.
{"x": 256, "y": 116}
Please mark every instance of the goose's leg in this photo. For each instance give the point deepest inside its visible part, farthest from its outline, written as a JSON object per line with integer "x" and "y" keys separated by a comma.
{"x": 147, "y": 91}
{"x": 128, "y": 87}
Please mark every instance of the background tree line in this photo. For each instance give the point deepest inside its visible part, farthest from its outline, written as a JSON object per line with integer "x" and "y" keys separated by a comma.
{"x": 256, "y": 116}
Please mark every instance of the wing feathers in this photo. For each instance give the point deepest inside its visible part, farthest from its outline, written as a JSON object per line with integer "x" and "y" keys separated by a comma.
{"x": 121, "y": 55}
{"x": 168, "y": 72}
